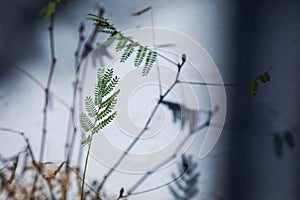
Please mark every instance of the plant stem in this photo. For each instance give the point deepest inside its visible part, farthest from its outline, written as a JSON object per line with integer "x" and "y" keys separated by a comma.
{"x": 85, "y": 166}
{"x": 87, "y": 48}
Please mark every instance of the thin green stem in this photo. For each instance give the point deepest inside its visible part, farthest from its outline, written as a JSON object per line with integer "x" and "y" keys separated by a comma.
{"x": 85, "y": 167}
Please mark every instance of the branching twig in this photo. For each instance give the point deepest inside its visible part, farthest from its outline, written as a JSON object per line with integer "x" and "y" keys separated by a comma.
{"x": 220, "y": 84}
{"x": 185, "y": 168}
{"x": 179, "y": 65}
{"x": 34, "y": 162}
{"x": 77, "y": 63}
{"x": 47, "y": 88}
{"x": 35, "y": 80}
{"x": 202, "y": 126}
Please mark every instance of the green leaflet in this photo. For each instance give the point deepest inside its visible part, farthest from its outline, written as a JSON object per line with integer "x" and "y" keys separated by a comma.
{"x": 265, "y": 77}
{"x": 128, "y": 52}
{"x": 98, "y": 95}
{"x": 96, "y": 18}
{"x": 110, "y": 86}
{"x": 104, "y": 122}
{"x": 100, "y": 109}
{"x": 86, "y": 122}
{"x": 50, "y": 8}
{"x": 109, "y": 99}
{"x": 122, "y": 43}
{"x": 140, "y": 55}
{"x": 90, "y": 106}
{"x": 108, "y": 75}
{"x": 107, "y": 108}
{"x": 252, "y": 87}
{"x": 151, "y": 58}
{"x": 111, "y": 39}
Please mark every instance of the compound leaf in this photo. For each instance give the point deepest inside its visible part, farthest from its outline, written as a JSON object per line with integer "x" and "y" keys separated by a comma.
{"x": 141, "y": 54}
{"x": 86, "y": 122}
{"x": 151, "y": 58}
{"x": 90, "y": 106}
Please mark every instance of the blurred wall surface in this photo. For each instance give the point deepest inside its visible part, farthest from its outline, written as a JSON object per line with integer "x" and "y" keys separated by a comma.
{"x": 263, "y": 163}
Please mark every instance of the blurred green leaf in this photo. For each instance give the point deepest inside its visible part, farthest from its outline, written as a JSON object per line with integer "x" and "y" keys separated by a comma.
{"x": 252, "y": 87}
{"x": 265, "y": 77}
{"x": 49, "y": 9}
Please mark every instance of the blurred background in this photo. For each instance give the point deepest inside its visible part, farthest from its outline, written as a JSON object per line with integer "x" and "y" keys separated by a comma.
{"x": 257, "y": 155}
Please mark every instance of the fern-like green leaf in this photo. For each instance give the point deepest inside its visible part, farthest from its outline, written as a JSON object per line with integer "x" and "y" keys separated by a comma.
{"x": 141, "y": 54}
{"x": 100, "y": 73}
{"x": 126, "y": 44}
{"x": 104, "y": 122}
{"x": 93, "y": 18}
{"x": 90, "y": 106}
{"x": 105, "y": 80}
{"x": 98, "y": 110}
{"x": 107, "y": 109}
{"x": 111, "y": 39}
{"x": 106, "y": 30}
{"x": 151, "y": 58}
{"x": 128, "y": 52}
{"x": 96, "y": 18}
{"x": 122, "y": 43}
{"x": 109, "y": 99}
{"x": 98, "y": 95}
{"x": 109, "y": 87}
{"x": 85, "y": 122}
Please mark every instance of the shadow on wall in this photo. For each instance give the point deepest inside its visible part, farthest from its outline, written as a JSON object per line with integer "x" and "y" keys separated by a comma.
{"x": 265, "y": 34}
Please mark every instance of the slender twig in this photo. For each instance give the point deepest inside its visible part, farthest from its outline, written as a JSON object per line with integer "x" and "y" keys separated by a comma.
{"x": 9, "y": 130}
{"x": 80, "y": 151}
{"x": 202, "y": 126}
{"x": 34, "y": 163}
{"x": 185, "y": 166}
{"x": 79, "y": 46}
{"x": 8, "y": 161}
{"x": 47, "y": 88}
{"x": 220, "y": 84}
{"x": 213, "y": 84}
{"x": 35, "y": 80}
{"x": 155, "y": 48}
{"x": 112, "y": 169}
{"x": 81, "y": 39}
